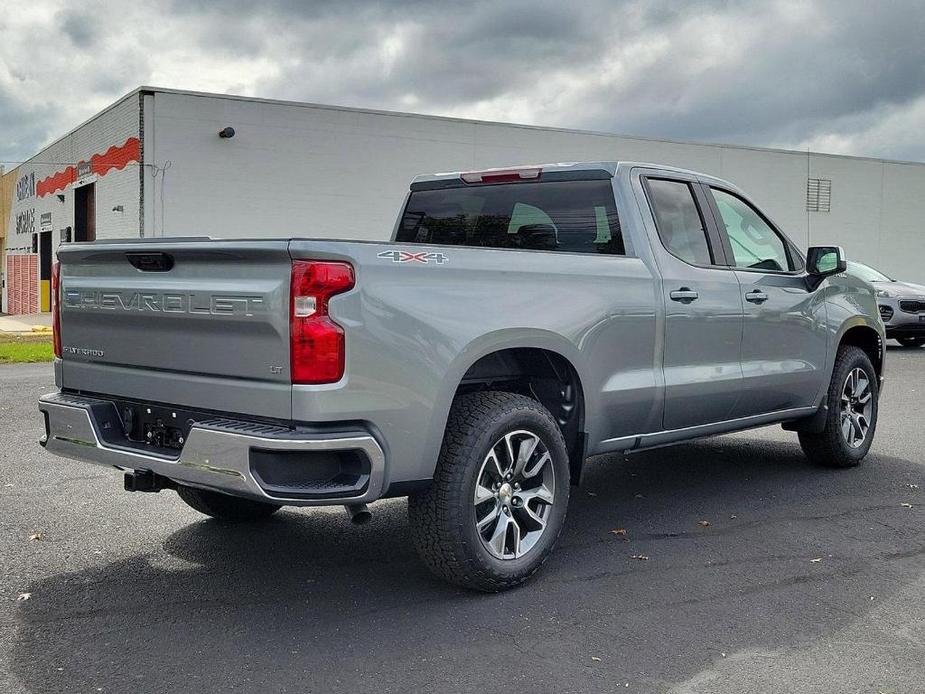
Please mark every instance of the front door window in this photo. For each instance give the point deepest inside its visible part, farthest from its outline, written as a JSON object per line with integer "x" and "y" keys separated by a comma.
{"x": 755, "y": 244}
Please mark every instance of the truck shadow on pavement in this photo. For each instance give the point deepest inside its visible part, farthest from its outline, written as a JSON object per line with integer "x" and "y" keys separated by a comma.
{"x": 721, "y": 546}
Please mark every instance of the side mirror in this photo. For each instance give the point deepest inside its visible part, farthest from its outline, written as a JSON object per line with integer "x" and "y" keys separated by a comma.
{"x": 822, "y": 261}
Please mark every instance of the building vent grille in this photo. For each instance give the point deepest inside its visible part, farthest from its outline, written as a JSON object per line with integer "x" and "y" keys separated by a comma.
{"x": 819, "y": 195}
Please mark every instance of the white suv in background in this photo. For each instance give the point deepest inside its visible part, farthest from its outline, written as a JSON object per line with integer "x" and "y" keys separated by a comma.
{"x": 902, "y": 305}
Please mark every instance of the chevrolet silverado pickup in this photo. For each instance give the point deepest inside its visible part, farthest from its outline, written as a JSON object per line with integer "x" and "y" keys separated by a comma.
{"x": 519, "y": 321}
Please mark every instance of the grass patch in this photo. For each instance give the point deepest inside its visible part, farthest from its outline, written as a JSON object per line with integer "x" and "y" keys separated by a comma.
{"x": 25, "y": 349}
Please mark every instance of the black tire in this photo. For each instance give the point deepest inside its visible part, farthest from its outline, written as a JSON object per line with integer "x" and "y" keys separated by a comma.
{"x": 443, "y": 517}
{"x": 911, "y": 342}
{"x": 830, "y": 447}
{"x": 225, "y": 506}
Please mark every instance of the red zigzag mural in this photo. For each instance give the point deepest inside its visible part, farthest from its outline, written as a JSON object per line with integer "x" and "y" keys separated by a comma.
{"x": 113, "y": 158}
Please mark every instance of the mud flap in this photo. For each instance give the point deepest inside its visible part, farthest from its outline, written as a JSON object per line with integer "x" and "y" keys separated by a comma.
{"x": 814, "y": 424}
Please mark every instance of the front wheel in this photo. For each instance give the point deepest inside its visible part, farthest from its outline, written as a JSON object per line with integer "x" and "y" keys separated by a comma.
{"x": 910, "y": 342}
{"x": 225, "y": 506}
{"x": 851, "y": 419}
{"x": 498, "y": 501}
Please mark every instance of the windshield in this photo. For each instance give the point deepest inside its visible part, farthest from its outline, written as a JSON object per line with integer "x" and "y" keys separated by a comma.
{"x": 868, "y": 274}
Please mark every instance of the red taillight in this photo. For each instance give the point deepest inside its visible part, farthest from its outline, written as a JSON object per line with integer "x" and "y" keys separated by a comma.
{"x": 501, "y": 175}
{"x": 56, "y": 307}
{"x": 317, "y": 348}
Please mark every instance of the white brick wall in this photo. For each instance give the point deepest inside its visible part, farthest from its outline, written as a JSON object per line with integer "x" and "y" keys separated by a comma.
{"x": 115, "y": 187}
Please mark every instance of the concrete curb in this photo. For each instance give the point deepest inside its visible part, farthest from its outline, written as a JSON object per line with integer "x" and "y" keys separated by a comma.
{"x": 29, "y": 324}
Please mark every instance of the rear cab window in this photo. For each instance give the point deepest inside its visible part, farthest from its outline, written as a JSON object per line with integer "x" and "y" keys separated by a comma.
{"x": 565, "y": 216}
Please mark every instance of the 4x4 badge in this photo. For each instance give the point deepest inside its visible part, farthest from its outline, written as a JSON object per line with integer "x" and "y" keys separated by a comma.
{"x": 408, "y": 257}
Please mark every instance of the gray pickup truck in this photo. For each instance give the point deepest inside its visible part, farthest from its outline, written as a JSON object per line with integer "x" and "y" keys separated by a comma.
{"x": 519, "y": 321}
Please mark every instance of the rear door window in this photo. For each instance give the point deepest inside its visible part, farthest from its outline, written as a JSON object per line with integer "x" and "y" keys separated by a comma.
{"x": 678, "y": 219}
{"x": 564, "y": 216}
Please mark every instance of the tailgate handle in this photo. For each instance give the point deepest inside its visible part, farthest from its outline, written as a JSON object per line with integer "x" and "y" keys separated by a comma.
{"x": 150, "y": 262}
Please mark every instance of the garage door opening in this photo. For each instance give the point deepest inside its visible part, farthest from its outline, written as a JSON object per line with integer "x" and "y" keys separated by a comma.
{"x": 45, "y": 261}
{"x": 85, "y": 213}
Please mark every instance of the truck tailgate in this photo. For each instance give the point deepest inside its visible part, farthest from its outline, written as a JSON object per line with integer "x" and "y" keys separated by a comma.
{"x": 193, "y": 322}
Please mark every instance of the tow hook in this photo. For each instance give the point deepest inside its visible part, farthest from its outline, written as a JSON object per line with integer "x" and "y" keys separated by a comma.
{"x": 359, "y": 513}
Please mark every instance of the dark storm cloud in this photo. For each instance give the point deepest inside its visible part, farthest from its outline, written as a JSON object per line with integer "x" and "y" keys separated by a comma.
{"x": 786, "y": 86}
{"x": 788, "y": 83}
{"x": 78, "y": 26}
{"x": 484, "y": 54}
{"x": 842, "y": 75}
{"x": 20, "y": 126}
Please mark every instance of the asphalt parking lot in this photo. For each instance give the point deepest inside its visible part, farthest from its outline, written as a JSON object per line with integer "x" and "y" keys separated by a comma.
{"x": 800, "y": 580}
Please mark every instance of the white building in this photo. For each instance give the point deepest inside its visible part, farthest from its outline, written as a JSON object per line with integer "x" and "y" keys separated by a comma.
{"x": 154, "y": 164}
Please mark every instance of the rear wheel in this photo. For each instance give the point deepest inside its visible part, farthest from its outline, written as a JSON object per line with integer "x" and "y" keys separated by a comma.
{"x": 500, "y": 492}
{"x": 225, "y": 506}
{"x": 911, "y": 341}
{"x": 851, "y": 419}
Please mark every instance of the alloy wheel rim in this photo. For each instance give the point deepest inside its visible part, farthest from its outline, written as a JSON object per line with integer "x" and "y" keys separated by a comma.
{"x": 856, "y": 408}
{"x": 514, "y": 494}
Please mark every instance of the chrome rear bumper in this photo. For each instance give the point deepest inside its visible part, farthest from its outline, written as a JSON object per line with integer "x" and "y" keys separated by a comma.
{"x": 216, "y": 454}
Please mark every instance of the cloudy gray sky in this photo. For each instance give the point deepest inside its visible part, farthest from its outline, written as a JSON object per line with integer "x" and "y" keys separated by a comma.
{"x": 846, "y": 76}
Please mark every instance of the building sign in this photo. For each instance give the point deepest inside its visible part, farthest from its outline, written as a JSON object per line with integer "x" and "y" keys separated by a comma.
{"x": 25, "y": 222}
{"x": 25, "y": 187}
{"x": 84, "y": 168}
{"x": 24, "y": 216}
{"x": 45, "y": 221}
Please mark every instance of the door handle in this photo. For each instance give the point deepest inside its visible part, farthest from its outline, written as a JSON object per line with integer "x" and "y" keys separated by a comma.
{"x": 685, "y": 295}
{"x": 756, "y": 296}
